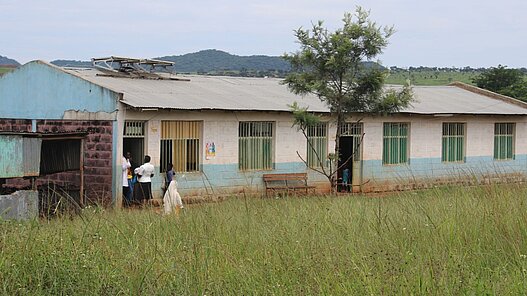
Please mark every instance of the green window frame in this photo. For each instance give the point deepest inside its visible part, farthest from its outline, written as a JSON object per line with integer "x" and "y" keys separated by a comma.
{"x": 317, "y": 144}
{"x": 453, "y": 142}
{"x": 504, "y": 141}
{"x": 395, "y": 148}
{"x": 255, "y": 145}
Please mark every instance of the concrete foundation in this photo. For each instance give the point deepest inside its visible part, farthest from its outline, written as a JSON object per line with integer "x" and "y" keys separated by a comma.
{"x": 21, "y": 205}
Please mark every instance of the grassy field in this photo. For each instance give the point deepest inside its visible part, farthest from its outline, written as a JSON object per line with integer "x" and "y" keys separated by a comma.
{"x": 430, "y": 77}
{"x": 446, "y": 241}
{"x": 5, "y": 70}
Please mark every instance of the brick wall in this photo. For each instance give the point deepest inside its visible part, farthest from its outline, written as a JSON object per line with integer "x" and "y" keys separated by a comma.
{"x": 15, "y": 125}
{"x": 97, "y": 155}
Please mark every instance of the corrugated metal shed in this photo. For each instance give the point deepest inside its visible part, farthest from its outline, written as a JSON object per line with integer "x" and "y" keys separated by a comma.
{"x": 19, "y": 156}
{"x": 267, "y": 94}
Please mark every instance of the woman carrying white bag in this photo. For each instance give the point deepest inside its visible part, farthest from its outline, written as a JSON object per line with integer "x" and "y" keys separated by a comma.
{"x": 172, "y": 200}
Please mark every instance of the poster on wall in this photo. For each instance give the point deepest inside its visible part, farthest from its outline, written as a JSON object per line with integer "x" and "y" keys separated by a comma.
{"x": 210, "y": 150}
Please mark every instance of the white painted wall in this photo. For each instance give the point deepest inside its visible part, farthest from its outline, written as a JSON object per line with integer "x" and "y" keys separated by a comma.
{"x": 222, "y": 129}
{"x": 425, "y": 134}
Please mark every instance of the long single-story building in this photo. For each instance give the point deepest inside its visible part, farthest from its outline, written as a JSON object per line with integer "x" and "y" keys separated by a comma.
{"x": 223, "y": 133}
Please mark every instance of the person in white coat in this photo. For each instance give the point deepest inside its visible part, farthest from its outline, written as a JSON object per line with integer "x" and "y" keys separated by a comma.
{"x": 172, "y": 200}
{"x": 144, "y": 184}
{"x": 126, "y": 172}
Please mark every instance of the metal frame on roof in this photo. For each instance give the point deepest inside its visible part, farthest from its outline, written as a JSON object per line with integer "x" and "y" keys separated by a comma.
{"x": 132, "y": 67}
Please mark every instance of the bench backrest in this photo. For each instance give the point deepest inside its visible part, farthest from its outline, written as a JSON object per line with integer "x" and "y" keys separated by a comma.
{"x": 285, "y": 177}
{"x": 285, "y": 180}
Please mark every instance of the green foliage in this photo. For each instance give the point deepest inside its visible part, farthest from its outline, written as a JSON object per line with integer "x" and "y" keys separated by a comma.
{"x": 330, "y": 65}
{"x": 444, "y": 241}
{"x": 5, "y": 70}
{"x": 509, "y": 82}
{"x": 302, "y": 118}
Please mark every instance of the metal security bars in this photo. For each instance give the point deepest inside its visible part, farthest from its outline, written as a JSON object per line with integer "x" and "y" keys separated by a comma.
{"x": 255, "y": 145}
{"x": 134, "y": 129}
{"x": 395, "y": 143}
{"x": 353, "y": 129}
{"x": 453, "y": 146}
{"x": 317, "y": 144}
{"x": 504, "y": 141}
{"x": 180, "y": 145}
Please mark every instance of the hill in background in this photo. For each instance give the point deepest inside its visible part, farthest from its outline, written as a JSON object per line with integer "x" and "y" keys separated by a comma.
{"x": 5, "y": 61}
{"x": 72, "y": 63}
{"x": 216, "y": 60}
{"x": 210, "y": 61}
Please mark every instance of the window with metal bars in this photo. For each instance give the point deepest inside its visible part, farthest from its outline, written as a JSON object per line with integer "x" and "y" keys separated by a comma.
{"x": 317, "y": 144}
{"x": 255, "y": 145}
{"x": 180, "y": 145}
{"x": 395, "y": 143}
{"x": 453, "y": 146}
{"x": 504, "y": 141}
{"x": 134, "y": 129}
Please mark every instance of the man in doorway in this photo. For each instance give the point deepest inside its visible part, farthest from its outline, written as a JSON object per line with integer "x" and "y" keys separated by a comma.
{"x": 144, "y": 174}
{"x": 126, "y": 165}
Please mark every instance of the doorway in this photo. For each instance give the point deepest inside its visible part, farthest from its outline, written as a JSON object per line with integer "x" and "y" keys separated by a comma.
{"x": 136, "y": 148}
{"x": 350, "y": 162}
{"x": 134, "y": 141}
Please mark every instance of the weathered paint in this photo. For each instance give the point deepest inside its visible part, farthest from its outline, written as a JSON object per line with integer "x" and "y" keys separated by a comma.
{"x": 31, "y": 156}
{"x": 38, "y": 90}
{"x": 11, "y": 156}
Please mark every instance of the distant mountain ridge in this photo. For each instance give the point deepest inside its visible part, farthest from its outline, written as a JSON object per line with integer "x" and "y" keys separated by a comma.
{"x": 5, "y": 61}
{"x": 216, "y": 60}
{"x": 210, "y": 60}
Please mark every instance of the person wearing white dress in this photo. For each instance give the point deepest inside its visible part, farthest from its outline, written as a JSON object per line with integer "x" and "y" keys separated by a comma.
{"x": 172, "y": 200}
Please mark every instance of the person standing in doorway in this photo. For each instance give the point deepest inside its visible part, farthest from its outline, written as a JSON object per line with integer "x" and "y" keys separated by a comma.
{"x": 144, "y": 182}
{"x": 126, "y": 165}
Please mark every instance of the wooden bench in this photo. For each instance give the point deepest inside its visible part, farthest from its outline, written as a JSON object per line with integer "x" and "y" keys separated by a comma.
{"x": 290, "y": 182}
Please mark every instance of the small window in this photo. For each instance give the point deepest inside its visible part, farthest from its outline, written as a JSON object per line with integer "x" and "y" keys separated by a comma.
{"x": 134, "y": 129}
{"x": 180, "y": 145}
{"x": 317, "y": 144}
{"x": 504, "y": 141}
{"x": 395, "y": 143}
{"x": 453, "y": 146}
{"x": 255, "y": 145}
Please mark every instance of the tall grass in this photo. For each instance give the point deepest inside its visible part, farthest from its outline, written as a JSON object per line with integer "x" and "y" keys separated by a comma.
{"x": 441, "y": 241}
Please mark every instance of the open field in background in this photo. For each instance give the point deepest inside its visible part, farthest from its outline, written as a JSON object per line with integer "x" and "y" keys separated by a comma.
{"x": 444, "y": 241}
{"x": 430, "y": 77}
{"x": 5, "y": 70}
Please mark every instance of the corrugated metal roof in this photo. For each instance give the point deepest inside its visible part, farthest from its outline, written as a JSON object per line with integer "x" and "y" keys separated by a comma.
{"x": 267, "y": 94}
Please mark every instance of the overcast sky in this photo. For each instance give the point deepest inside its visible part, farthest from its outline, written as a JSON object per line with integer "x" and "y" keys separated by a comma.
{"x": 429, "y": 32}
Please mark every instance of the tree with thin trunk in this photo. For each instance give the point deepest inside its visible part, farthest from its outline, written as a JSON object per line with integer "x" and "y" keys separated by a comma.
{"x": 331, "y": 66}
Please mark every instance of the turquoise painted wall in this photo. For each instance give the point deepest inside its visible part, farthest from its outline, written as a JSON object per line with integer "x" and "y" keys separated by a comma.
{"x": 38, "y": 90}
{"x": 226, "y": 178}
{"x": 426, "y": 168}
{"x": 11, "y": 156}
